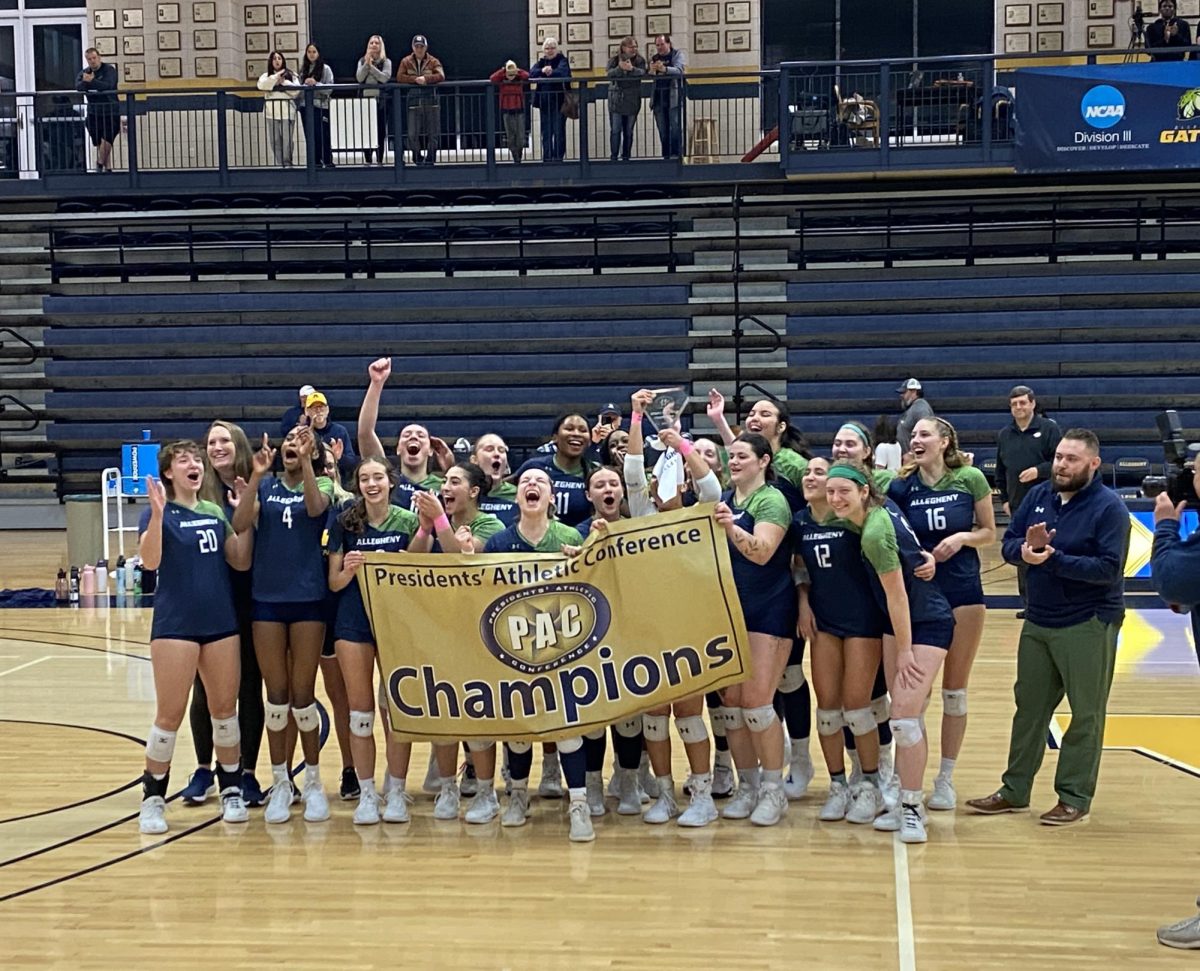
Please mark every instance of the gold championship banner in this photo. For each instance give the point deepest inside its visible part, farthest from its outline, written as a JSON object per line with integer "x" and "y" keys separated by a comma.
{"x": 538, "y": 646}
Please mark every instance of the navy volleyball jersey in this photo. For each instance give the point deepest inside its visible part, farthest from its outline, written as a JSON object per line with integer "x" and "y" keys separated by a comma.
{"x": 194, "y": 599}
{"x": 501, "y": 502}
{"x": 406, "y": 488}
{"x": 510, "y": 540}
{"x": 391, "y": 536}
{"x": 837, "y": 578}
{"x": 289, "y": 563}
{"x": 941, "y": 510}
{"x": 571, "y": 504}
{"x": 888, "y": 544}
{"x": 766, "y": 591}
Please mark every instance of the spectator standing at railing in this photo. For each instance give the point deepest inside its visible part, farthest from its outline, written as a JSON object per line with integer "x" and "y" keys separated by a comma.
{"x": 423, "y": 71}
{"x": 548, "y": 99}
{"x": 512, "y": 106}
{"x": 314, "y": 71}
{"x": 1166, "y": 33}
{"x": 668, "y": 67}
{"x": 99, "y": 82}
{"x": 279, "y": 107}
{"x": 374, "y": 72}
{"x": 625, "y": 72}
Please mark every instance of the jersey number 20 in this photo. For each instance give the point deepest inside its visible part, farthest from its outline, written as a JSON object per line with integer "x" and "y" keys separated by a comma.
{"x": 208, "y": 541}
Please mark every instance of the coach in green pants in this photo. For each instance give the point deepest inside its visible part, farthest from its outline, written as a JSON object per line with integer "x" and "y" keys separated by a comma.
{"x": 1073, "y": 533}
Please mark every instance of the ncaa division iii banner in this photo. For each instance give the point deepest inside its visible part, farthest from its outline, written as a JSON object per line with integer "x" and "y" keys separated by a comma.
{"x": 1108, "y": 116}
{"x": 539, "y": 646}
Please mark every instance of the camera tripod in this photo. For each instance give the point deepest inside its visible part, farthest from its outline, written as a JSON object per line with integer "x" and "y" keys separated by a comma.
{"x": 1137, "y": 34}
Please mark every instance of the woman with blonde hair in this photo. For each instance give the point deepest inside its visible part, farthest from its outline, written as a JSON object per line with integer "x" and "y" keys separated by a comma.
{"x": 374, "y": 72}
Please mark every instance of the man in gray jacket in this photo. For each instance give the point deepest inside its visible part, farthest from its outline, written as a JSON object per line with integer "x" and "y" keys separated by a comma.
{"x": 668, "y": 67}
{"x": 913, "y": 407}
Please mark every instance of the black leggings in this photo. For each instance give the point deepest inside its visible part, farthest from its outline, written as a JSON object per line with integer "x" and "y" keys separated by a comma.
{"x": 249, "y": 710}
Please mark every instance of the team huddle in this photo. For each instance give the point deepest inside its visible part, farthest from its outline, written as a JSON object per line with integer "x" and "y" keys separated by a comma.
{"x": 877, "y": 573}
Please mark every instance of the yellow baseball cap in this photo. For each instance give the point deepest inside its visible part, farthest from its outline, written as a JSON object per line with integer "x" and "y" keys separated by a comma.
{"x": 316, "y": 398}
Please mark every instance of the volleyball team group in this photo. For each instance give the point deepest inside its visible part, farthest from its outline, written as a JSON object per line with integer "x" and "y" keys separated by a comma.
{"x": 875, "y": 572}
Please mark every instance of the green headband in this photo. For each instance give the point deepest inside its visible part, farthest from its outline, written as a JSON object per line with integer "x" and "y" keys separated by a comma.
{"x": 847, "y": 472}
{"x": 857, "y": 431}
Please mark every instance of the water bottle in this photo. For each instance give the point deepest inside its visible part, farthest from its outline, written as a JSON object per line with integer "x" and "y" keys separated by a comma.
{"x": 87, "y": 581}
{"x": 74, "y": 586}
{"x": 102, "y": 576}
{"x": 62, "y": 589}
{"x": 129, "y": 575}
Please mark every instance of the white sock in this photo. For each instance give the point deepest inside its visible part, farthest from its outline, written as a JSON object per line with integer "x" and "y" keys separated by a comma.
{"x": 366, "y": 787}
{"x": 723, "y": 759}
{"x": 447, "y": 780}
{"x": 749, "y": 777}
{"x": 578, "y": 795}
{"x": 521, "y": 784}
{"x": 279, "y": 773}
{"x": 800, "y": 751}
{"x": 485, "y": 785}
{"x": 772, "y": 777}
{"x": 312, "y": 775}
{"x": 596, "y": 778}
{"x": 947, "y": 769}
{"x": 666, "y": 786}
{"x": 400, "y": 784}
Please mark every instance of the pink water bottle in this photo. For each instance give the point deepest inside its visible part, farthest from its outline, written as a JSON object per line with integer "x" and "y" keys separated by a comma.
{"x": 87, "y": 582}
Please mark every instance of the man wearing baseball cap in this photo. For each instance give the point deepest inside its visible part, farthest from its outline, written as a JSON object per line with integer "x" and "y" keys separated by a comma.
{"x": 913, "y": 407}
{"x": 420, "y": 71}
{"x": 316, "y": 407}
{"x": 292, "y": 415}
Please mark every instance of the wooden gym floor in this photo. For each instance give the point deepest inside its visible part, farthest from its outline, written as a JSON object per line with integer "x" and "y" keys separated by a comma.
{"x": 80, "y": 887}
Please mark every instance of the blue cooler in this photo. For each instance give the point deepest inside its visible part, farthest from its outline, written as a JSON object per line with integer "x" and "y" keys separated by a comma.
{"x": 138, "y": 461}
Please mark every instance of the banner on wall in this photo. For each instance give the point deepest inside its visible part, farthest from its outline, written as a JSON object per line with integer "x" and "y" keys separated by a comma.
{"x": 1108, "y": 116}
{"x": 540, "y": 646}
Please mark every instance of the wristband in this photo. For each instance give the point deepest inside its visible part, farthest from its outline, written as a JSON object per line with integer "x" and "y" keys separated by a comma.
{"x": 422, "y": 532}
{"x": 442, "y": 522}
{"x": 685, "y": 448}
{"x": 636, "y": 417}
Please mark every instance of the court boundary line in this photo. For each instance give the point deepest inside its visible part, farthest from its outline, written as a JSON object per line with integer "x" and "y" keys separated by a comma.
{"x": 107, "y": 863}
{"x": 1154, "y": 756}
{"x": 77, "y": 647}
{"x": 905, "y": 936}
{"x": 81, "y": 802}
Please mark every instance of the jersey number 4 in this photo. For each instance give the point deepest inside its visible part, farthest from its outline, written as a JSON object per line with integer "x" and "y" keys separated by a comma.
{"x": 287, "y": 516}
{"x": 208, "y": 540}
{"x": 936, "y": 517}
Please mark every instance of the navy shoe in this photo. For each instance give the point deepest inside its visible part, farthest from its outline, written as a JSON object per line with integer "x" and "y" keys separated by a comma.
{"x": 252, "y": 794}
{"x": 349, "y": 788}
{"x": 200, "y": 786}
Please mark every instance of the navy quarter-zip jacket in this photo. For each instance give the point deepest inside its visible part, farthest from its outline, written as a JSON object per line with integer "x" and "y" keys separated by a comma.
{"x": 1175, "y": 570}
{"x": 1085, "y": 576}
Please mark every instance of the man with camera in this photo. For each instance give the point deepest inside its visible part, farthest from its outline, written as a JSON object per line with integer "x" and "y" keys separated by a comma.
{"x": 1074, "y": 534}
{"x": 1167, "y": 33}
{"x": 1175, "y": 573}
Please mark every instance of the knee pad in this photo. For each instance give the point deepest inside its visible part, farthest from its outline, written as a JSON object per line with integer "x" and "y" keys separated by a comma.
{"x": 160, "y": 745}
{"x": 954, "y": 702}
{"x": 906, "y": 731}
{"x": 691, "y": 728}
{"x": 308, "y": 719}
{"x": 733, "y": 718}
{"x": 829, "y": 721}
{"x": 860, "y": 721}
{"x": 792, "y": 680}
{"x": 759, "y": 719}
{"x": 276, "y": 717}
{"x": 656, "y": 727}
{"x": 518, "y": 748}
{"x": 881, "y": 708}
{"x": 568, "y": 745}
{"x": 596, "y": 736}
{"x": 720, "y": 721}
{"x": 480, "y": 744}
{"x": 629, "y": 727}
{"x": 362, "y": 723}
{"x": 226, "y": 732}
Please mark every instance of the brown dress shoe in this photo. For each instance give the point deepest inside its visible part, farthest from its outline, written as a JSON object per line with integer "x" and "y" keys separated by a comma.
{"x": 1063, "y": 815}
{"x": 994, "y": 805}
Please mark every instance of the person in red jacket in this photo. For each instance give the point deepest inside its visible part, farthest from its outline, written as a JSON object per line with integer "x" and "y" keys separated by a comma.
{"x": 512, "y": 105}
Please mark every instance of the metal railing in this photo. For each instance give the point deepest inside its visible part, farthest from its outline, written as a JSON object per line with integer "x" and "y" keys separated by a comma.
{"x": 223, "y": 130}
{"x": 957, "y": 110}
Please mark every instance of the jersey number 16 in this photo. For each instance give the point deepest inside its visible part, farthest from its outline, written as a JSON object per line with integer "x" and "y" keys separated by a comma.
{"x": 936, "y": 517}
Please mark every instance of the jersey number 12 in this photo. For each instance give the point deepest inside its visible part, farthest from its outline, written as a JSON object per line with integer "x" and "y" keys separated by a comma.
{"x": 821, "y": 552}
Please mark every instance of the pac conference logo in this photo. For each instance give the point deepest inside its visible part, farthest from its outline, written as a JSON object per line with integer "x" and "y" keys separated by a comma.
{"x": 545, "y": 627}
